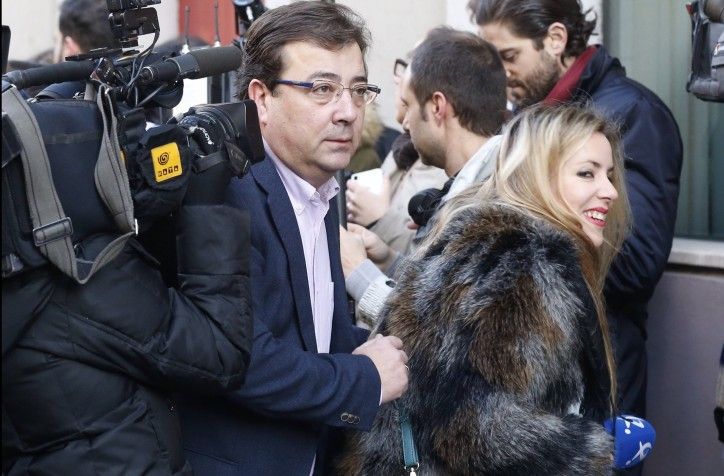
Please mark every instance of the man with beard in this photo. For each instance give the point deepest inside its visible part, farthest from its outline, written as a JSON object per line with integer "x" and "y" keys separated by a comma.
{"x": 543, "y": 44}
{"x": 453, "y": 110}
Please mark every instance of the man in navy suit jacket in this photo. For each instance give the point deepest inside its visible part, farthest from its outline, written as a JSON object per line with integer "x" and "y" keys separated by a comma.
{"x": 310, "y": 368}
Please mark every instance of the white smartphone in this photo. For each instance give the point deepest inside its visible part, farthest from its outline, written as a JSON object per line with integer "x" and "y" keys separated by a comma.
{"x": 371, "y": 179}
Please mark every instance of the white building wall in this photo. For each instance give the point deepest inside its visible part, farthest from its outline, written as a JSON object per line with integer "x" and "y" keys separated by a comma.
{"x": 396, "y": 25}
{"x": 32, "y": 29}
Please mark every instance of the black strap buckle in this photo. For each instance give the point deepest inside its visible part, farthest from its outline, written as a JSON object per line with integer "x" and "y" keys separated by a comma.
{"x": 11, "y": 265}
{"x": 56, "y": 230}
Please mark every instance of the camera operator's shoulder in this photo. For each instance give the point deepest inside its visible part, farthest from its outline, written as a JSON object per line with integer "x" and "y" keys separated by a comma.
{"x": 243, "y": 192}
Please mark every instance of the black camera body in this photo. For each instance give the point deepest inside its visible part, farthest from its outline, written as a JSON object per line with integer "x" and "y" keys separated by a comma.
{"x": 706, "y": 80}
{"x": 130, "y": 19}
{"x": 153, "y": 165}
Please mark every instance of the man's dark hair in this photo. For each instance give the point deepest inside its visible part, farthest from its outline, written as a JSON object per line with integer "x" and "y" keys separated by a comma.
{"x": 468, "y": 71}
{"x": 86, "y": 22}
{"x": 531, "y": 19}
{"x": 327, "y": 25}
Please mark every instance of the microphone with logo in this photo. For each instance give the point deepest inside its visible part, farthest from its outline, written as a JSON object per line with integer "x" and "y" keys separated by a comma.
{"x": 633, "y": 440}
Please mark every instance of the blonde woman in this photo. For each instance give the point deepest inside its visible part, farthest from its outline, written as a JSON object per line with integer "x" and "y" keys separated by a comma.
{"x": 511, "y": 367}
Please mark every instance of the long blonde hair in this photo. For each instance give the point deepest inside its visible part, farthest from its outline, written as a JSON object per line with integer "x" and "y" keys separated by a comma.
{"x": 534, "y": 146}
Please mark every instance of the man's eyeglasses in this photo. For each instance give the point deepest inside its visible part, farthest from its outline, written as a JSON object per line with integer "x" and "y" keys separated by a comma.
{"x": 324, "y": 91}
{"x": 400, "y": 67}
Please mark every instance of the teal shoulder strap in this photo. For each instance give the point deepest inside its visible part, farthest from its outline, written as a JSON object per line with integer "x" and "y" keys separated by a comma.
{"x": 409, "y": 451}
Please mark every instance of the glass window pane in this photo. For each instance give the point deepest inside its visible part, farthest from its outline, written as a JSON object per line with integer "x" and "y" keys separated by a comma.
{"x": 652, "y": 38}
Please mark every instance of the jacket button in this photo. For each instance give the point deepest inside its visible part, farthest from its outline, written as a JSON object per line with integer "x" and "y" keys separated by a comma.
{"x": 345, "y": 417}
{"x": 356, "y": 420}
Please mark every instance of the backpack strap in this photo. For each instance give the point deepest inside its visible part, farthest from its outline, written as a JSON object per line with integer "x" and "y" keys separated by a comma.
{"x": 111, "y": 176}
{"x": 52, "y": 229}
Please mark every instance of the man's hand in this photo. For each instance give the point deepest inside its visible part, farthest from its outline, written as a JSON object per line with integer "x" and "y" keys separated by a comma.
{"x": 377, "y": 250}
{"x": 389, "y": 359}
{"x": 365, "y": 207}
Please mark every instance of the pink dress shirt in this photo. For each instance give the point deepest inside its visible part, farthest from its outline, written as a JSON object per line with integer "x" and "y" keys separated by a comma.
{"x": 310, "y": 207}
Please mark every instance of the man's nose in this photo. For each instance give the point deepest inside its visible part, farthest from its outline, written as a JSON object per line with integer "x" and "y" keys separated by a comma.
{"x": 346, "y": 109}
{"x": 405, "y": 123}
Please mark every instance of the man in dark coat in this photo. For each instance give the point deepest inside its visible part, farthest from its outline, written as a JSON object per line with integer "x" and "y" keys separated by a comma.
{"x": 311, "y": 369}
{"x": 543, "y": 44}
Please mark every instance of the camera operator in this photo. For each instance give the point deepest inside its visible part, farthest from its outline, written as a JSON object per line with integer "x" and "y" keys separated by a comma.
{"x": 85, "y": 388}
{"x": 92, "y": 350}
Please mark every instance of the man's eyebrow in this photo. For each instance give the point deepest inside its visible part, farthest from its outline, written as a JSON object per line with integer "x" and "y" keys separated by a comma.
{"x": 324, "y": 75}
{"x": 335, "y": 77}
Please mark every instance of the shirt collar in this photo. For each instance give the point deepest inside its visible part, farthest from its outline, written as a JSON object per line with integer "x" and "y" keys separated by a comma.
{"x": 302, "y": 193}
{"x": 567, "y": 84}
{"x": 478, "y": 168}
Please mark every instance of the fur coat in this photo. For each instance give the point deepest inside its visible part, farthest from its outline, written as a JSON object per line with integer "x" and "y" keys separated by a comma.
{"x": 507, "y": 369}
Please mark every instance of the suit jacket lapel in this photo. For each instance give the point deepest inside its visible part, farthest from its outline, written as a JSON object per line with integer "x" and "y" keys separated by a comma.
{"x": 286, "y": 225}
{"x": 341, "y": 319}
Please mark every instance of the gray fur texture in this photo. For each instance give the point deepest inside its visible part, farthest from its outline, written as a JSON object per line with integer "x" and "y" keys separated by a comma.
{"x": 504, "y": 351}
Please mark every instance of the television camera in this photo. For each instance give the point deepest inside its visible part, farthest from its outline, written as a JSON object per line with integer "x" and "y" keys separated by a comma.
{"x": 72, "y": 167}
{"x": 706, "y": 80}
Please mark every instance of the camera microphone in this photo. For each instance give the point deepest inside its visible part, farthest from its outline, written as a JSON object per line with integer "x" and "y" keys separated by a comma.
{"x": 195, "y": 64}
{"x": 54, "y": 73}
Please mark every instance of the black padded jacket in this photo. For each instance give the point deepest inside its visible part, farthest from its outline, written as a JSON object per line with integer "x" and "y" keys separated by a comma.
{"x": 86, "y": 388}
